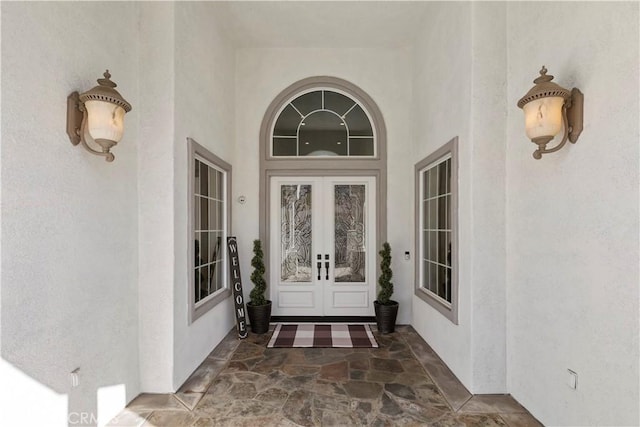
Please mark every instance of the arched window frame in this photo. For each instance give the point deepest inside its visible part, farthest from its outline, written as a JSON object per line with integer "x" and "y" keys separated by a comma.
{"x": 348, "y": 94}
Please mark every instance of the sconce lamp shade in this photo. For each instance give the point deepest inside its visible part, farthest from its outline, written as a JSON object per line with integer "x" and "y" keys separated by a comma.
{"x": 545, "y": 109}
{"x": 102, "y": 118}
{"x": 106, "y": 120}
{"x": 543, "y": 117}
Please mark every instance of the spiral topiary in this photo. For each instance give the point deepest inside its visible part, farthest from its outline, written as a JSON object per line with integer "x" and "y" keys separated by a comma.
{"x": 386, "y": 287}
{"x": 257, "y": 276}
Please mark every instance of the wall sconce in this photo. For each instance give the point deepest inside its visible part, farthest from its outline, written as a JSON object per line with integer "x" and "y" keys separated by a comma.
{"x": 548, "y": 108}
{"x": 97, "y": 115}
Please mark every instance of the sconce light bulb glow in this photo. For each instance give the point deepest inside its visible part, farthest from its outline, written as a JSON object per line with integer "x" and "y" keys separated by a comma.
{"x": 543, "y": 117}
{"x": 105, "y": 120}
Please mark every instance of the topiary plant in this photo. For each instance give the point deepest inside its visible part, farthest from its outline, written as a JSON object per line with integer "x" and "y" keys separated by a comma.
{"x": 386, "y": 287}
{"x": 257, "y": 277}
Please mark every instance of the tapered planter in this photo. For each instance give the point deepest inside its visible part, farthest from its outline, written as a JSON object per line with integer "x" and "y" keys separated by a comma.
{"x": 259, "y": 317}
{"x": 386, "y": 316}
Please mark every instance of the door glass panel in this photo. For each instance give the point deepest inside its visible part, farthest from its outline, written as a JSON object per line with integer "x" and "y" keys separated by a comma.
{"x": 349, "y": 233}
{"x": 295, "y": 233}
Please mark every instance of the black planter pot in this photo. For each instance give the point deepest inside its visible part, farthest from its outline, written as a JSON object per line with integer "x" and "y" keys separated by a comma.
{"x": 386, "y": 316}
{"x": 259, "y": 317}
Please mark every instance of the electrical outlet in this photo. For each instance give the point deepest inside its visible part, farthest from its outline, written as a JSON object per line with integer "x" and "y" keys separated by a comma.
{"x": 75, "y": 378}
{"x": 407, "y": 256}
{"x": 572, "y": 380}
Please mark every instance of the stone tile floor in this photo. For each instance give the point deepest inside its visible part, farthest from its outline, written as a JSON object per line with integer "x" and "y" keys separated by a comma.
{"x": 402, "y": 383}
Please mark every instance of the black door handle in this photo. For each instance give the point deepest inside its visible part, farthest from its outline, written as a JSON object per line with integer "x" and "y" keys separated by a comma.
{"x": 319, "y": 270}
{"x": 326, "y": 265}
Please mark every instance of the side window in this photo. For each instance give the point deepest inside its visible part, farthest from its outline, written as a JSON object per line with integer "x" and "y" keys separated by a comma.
{"x": 436, "y": 230}
{"x": 209, "y": 189}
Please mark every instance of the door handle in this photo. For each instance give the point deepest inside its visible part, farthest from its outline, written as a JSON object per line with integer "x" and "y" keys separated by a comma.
{"x": 326, "y": 266}
{"x": 319, "y": 266}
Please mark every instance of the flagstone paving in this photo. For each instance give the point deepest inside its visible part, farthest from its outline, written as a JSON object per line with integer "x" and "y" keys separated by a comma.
{"x": 401, "y": 383}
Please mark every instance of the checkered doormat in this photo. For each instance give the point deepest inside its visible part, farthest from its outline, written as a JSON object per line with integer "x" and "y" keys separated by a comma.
{"x": 322, "y": 335}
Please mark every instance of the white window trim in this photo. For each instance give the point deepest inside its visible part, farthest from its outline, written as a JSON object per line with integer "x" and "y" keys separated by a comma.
{"x": 448, "y": 310}
{"x": 197, "y": 151}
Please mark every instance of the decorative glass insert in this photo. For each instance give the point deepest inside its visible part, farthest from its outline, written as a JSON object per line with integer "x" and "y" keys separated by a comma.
{"x": 436, "y": 229}
{"x": 323, "y": 123}
{"x": 349, "y": 234}
{"x": 295, "y": 235}
{"x": 209, "y": 229}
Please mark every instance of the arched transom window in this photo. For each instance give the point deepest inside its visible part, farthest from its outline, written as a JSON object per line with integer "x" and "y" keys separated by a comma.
{"x": 323, "y": 122}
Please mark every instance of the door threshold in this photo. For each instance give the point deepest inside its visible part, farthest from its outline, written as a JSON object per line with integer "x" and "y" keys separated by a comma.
{"x": 323, "y": 319}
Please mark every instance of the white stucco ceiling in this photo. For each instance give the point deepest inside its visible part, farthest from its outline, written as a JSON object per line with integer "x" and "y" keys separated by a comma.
{"x": 330, "y": 24}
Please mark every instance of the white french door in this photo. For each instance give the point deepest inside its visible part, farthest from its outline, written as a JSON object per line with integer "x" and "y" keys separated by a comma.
{"x": 322, "y": 246}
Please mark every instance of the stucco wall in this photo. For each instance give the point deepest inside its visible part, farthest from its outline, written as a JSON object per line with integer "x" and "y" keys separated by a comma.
{"x": 442, "y": 82}
{"x": 548, "y": 249}
{"x": 572, "y": 228}
{"x": 69, "y": 228}
{"x": 204, "y": 111}
{"x": 261, "y": 74}
{"x": 155, "y": 196}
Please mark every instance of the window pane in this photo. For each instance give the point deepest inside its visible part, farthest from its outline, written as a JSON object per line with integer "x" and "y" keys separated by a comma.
{"x": 322, "y": 135}
{"x": 433, "y": 214}
{"x": 308, "y": 102}
{"x": 442, "y": 247}
{"x": 212, "y": 183}
{"x": 448, "y": 186}
{"x": 198, "y": 250}
{"x": 448, "y": 244}
{"x": 442, "y": 213}
{"x": 433, "y": 278}
{"x": 198, "y": 280}
{"x": 447, "y": 218}
{"x": 204, "y": 179}
{"x": 425, "y": 274}
{"x": 433, "y": 246}
{"x": 425, "y": 215}
{"x": 443, "y": 283}
{"x": 433, "y": 182}
{"x": 215, "y": 247}
{"x": 425, "y": 185}
{"x": 337, "y": 102}
{"x": 196, "y": 213}
{"x": 220, "y": 217}
{"x": 287, "y": 122}
{"x": 204, "y": 248}
{"x": 295, "y": 236}
{"x": 349, "y": 233}
{"x": 214, "y": 274}
{"x": 285, "y": 146}
{"x": 361, "y": 146}
{"x": 358, "y": 122}
{"x": 204, "y": 214}
{"x": 425, "y": 245}
{"x": 213, "y": 210}
{"x": 220, "y": 190}
{"x": 196, "y": 181}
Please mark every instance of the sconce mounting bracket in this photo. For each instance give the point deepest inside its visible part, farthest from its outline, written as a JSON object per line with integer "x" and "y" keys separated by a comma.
{"x": 74, "y": 117}
{"x": 575, "y": 114}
